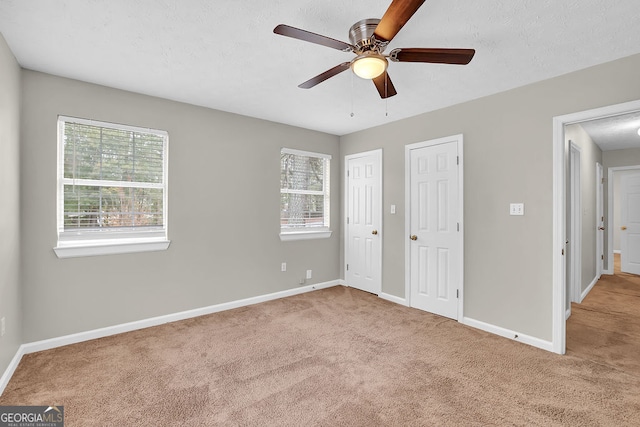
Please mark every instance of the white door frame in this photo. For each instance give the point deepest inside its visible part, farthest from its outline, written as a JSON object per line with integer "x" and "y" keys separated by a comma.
{"x": 575, "y": 233}
{"x": 610, "y": 182}
{"x": 407, "y": 219}
{"x": 559, "y": 211}
{"x": 346, "y": 209}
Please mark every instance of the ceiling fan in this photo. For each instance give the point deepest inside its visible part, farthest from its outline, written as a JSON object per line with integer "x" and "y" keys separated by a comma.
{"x": 369, "y": 38}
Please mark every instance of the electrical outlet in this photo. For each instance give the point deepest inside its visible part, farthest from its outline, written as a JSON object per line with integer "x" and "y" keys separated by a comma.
{"x": 283, "y": 267}
{"x": 3, "y": 326}
{"x": 308, "y": 274}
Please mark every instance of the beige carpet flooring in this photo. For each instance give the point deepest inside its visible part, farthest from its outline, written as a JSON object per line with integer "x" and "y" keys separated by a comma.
{"x": 605, "y": 327}
{"x": 334, "y": 357}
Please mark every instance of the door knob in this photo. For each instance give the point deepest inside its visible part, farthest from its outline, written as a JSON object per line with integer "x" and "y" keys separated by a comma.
{"x": 413, "y": 237}
{"x": 601, "y": 228}
{"x": 374, "y": 232}
{"x": 624, "y": 227}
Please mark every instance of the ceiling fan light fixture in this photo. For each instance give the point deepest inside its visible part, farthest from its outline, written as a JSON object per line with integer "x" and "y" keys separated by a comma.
{"x": 369, "y": 65}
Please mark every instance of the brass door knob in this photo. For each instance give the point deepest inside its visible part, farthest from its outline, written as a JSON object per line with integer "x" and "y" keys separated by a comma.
{"x": 413, "y": 237}
{"x": 624, "y": 227}
{"x": 374, "y": 232}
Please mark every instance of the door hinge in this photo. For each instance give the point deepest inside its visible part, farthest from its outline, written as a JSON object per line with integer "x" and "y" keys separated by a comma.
{"x": 602, "y": 257}
{"x": 347, "y": 267}
{"x": 347, "y": 220}
{"x": 603, "y": 180}
{"x": 458, "y": 226}
{"x": 457, "y": 293}
{"x": 348, "y": 173}
{"x": 563, "y": 252}
{"x": 457, "y": 160}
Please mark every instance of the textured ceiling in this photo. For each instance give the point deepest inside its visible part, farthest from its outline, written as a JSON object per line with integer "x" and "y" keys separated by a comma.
{"x": 223, "y": 54}
{"x": 616, "y": 132}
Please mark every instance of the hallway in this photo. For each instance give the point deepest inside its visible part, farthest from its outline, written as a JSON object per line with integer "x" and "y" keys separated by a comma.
{"x": 606, "y": 326}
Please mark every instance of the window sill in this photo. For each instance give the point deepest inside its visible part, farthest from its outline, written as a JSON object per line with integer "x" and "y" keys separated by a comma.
{"x": 95, "y": 248}
{"x": 304, "y": 235}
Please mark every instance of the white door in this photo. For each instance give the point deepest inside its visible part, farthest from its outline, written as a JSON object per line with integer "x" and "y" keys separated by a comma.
{"x": 599, "y": 220}
{"x": 435, "y": 242}
{"x": 574, "y": 237}
{"x": 364, "y": 221}
{"x": 630, "y": 223}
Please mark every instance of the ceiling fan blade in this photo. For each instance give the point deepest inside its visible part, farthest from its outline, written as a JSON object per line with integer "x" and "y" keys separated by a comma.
{"x": 384, "y": 86}
{"x": 324, "y": 76}
{"x": 398, "y": 13}
{"x": 435, "y": 55}
{"x": 296, "y": 33}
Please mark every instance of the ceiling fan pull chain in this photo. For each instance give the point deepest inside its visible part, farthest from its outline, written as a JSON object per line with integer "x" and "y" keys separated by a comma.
{"x": 386, "y": 98}
{"x": 352, "y": 95}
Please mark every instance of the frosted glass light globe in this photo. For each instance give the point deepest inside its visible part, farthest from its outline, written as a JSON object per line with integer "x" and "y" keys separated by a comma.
{"x": 369, "y": 66}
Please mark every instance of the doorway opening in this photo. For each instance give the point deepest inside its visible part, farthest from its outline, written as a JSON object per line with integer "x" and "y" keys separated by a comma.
{"x": 610, "y": 120}
{"x": 622, "y": 222}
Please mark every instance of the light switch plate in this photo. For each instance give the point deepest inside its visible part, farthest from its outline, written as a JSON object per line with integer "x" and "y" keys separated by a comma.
{"x": 516, "y": 209}
{"x": 393, "y": 209}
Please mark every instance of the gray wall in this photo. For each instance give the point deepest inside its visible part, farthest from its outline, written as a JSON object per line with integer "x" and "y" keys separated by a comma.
{"x": 508, "y": 158}
{"x": 10, "y": 300}
{"x": 590, "y": 154}
{"x": 224, "y": 177}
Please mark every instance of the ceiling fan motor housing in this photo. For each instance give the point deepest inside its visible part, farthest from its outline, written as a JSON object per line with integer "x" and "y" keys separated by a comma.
{"x": 361, "y": 36}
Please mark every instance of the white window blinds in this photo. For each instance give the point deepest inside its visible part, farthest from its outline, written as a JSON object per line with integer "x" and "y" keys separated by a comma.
{"x": 304, "y": 190}
{"x": 111, "y": 181}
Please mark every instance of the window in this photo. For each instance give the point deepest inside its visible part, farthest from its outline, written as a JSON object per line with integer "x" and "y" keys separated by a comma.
{"x": 304, "y": 195}
{"x": 112, "y": 188}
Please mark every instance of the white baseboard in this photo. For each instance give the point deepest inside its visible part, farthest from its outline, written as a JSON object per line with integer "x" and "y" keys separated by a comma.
{"x": 13, "y": 365}
{"x": 516, "y": 336}
{"x": 159, "y": 320}
{"x": 388, "y": 297}
{"x": 393, "y": 298}
{"x": 586, "y": 291}
{"x": 146, "y": 323}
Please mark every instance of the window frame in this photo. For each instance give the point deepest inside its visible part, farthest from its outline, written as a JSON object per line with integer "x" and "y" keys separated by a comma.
{"x": 80, "y": 243}
{"x": 309, "y": 232}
